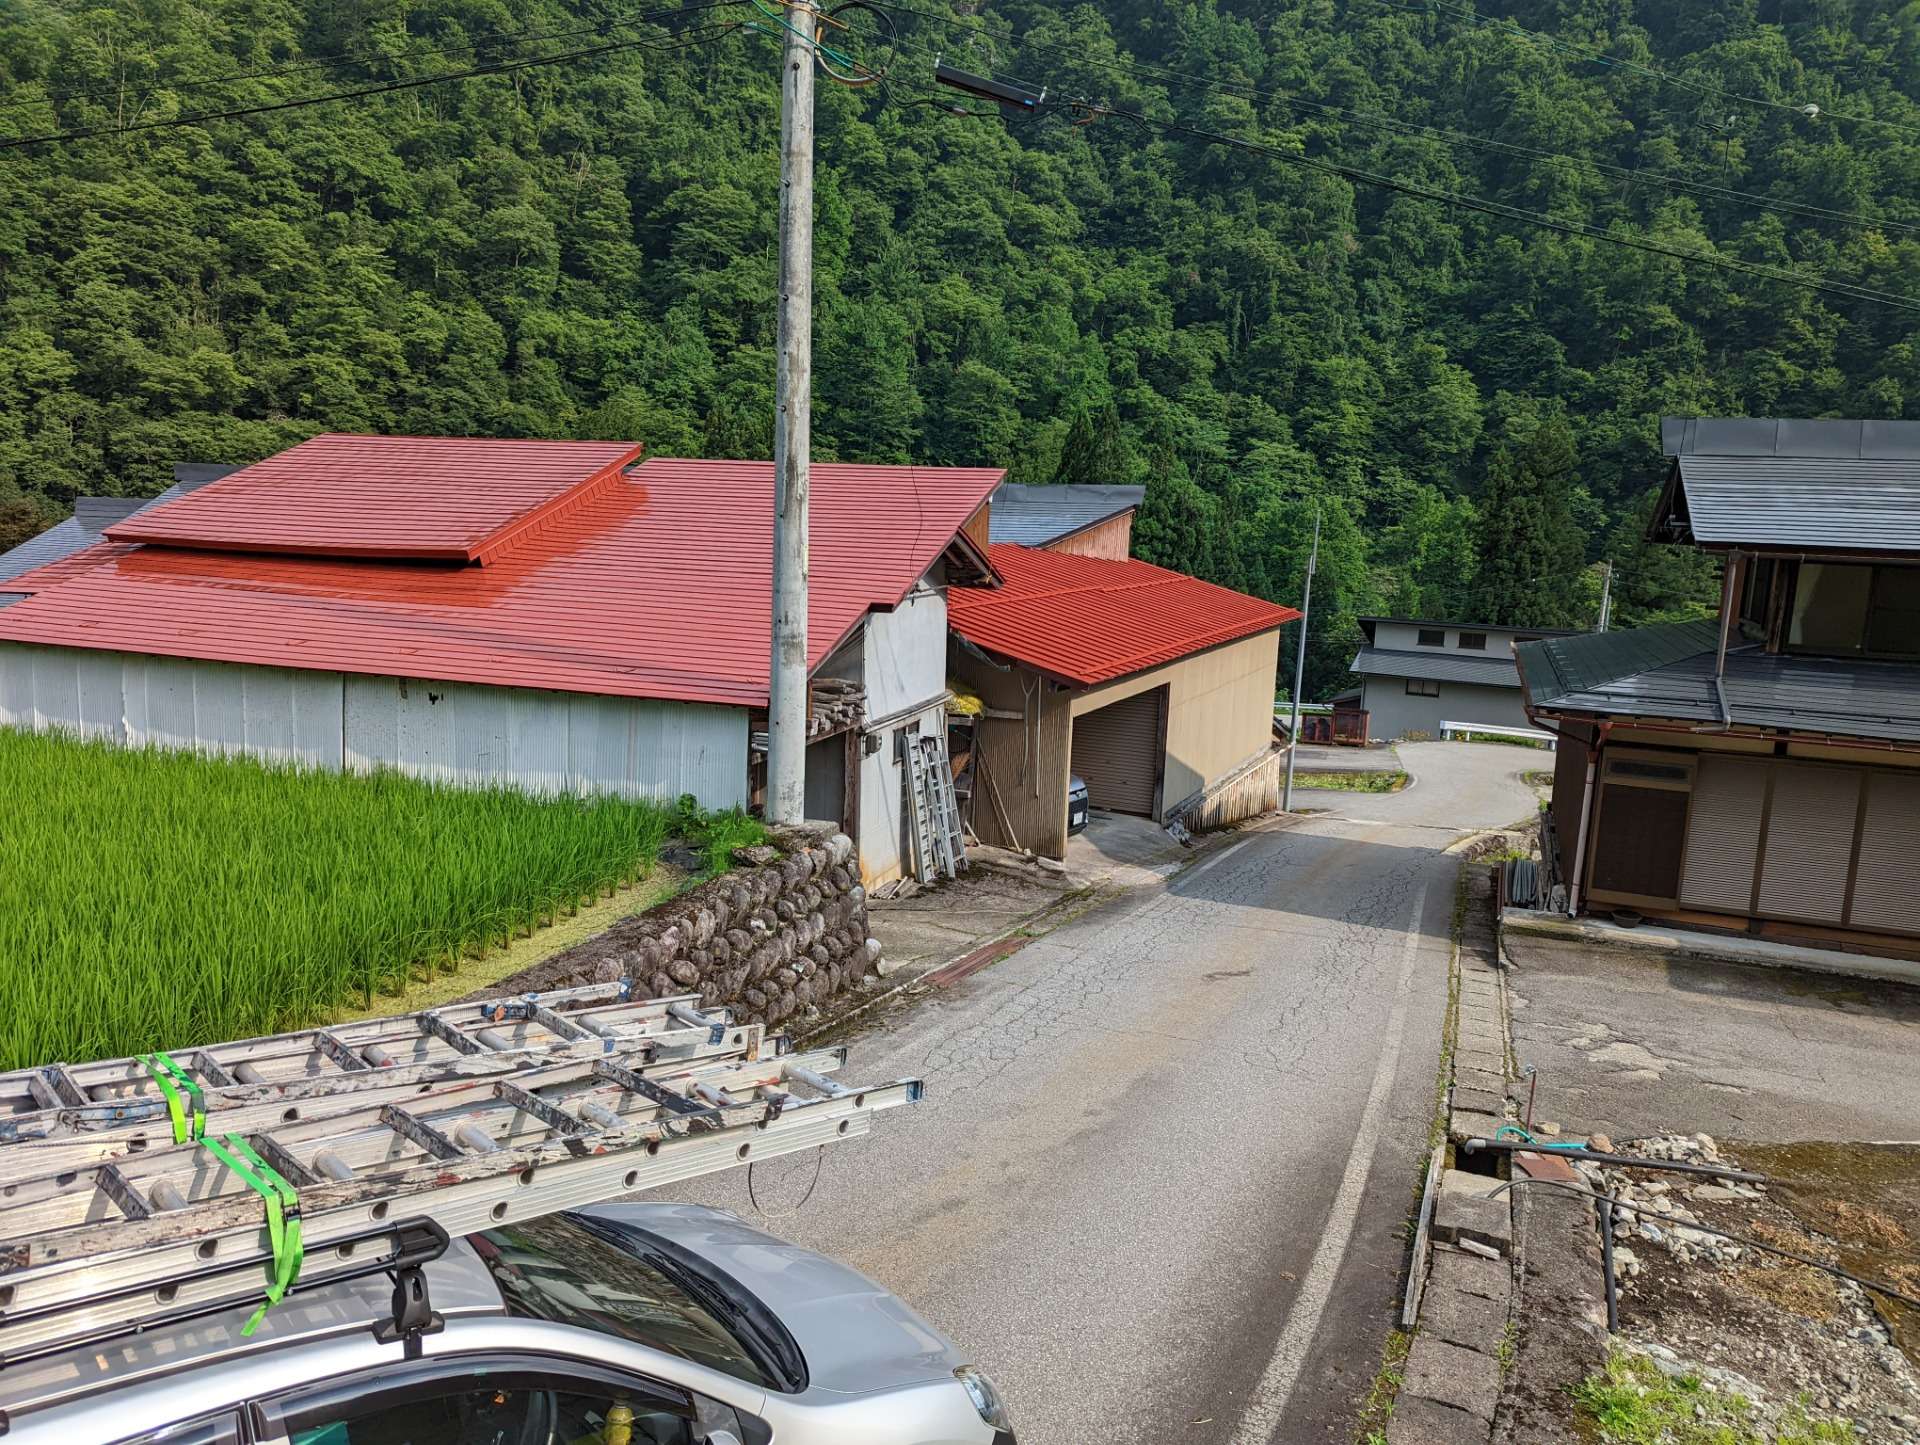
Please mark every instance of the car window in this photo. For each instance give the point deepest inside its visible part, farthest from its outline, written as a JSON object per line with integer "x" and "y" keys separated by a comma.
{"x": 498, "y": 1401}
{"x": 220, "y": 1429}
{"x": 552, "y": 1269}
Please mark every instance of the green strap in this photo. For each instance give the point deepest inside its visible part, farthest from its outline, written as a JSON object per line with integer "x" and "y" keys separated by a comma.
{"x": 283, "y": 1215}
{"x": 172, "y": 1079}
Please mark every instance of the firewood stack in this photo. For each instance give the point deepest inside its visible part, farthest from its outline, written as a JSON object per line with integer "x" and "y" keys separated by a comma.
{"x": 834, "y": 705}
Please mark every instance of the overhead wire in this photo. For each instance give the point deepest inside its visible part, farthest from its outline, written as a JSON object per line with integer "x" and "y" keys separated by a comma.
{"x": 699, "y": 35}
{"x": 153, "y": 84}
{"x": 1631, "y": 175}
{"x": 1810, "y": 110}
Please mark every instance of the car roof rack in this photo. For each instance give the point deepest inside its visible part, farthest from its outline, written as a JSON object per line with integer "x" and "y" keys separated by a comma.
{"x": 142, "y": 1191}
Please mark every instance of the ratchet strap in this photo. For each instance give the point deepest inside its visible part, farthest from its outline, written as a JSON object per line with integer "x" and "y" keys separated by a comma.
{"x": 282, "y": 1202}
{"x": 174, "y": 1081}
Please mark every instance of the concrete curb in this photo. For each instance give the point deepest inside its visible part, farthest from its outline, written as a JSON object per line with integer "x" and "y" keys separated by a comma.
{"x": 1715, "y": 948}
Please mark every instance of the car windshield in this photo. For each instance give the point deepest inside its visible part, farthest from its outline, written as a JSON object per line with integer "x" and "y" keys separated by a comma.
{"x": 553, "y": 1269}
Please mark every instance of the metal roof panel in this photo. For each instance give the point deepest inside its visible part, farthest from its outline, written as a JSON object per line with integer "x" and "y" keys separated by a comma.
{"x": 1815, "y": 503}
{"x": 658, "y": 586}
{"x": 1091, "y": 619}
{"x": 459, "y": 499}
{"x": 1032, "y": 516}
{"x": 1495, "y": 671}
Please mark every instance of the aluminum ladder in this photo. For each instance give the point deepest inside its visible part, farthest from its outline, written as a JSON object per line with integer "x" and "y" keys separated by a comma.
{"x": 145, "y": 1191}
{"x": 939, "y": 849}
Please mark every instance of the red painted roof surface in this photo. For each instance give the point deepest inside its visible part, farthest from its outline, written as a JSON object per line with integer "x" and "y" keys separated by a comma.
{"x": 449, "y": 499}
{"x": 1087, "y": 619}
{"x": 659, "y": 585}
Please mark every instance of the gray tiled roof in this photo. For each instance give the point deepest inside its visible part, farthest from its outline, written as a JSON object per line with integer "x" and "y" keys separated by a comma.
{"x": 93, "y": 515}
{"x": 1668, "y": 672}
{"x": 1793, "y": 483}
{"x": 1035, "y": 515}
{"x": 1495, "y": 671}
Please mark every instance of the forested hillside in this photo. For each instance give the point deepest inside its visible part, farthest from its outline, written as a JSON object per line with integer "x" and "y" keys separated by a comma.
{"x": 587, "y": 248}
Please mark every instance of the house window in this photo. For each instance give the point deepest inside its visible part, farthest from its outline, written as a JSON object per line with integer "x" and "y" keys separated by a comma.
{"x": 1756, "y": 599}
{"x": 1422, "y": 687}
{"x": 1847, "y": 609}
{"x": 1432, "y": 637}
{"x": 1473, "y": 641}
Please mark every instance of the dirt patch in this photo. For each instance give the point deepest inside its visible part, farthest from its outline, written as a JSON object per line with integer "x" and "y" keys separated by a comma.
{"x": 1796, "y": 1342}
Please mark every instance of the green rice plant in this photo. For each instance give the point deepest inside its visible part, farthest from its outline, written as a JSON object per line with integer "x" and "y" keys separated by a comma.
{"x": 165, "y": 899}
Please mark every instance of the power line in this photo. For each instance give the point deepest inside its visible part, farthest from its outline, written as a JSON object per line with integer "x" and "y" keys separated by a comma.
{"x": 1703, "y": 88}
{"x": 1633, "y": 176}
{"x": 687, "y": 38}
{"x": 1516, "y": 213}
{"x": 363, "y": 57}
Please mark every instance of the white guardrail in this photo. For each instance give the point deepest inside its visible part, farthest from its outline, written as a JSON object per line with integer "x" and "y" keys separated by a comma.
{"x": 1450, "y": 730}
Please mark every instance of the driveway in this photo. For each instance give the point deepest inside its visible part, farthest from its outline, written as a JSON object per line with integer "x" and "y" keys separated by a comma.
{"x": 1454, "y": 786}
{"x": 1628, "y": 1043}
{"x": 1158, "y": 1184}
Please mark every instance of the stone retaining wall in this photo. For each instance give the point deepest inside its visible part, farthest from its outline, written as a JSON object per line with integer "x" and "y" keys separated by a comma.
{"x": 785, "y": 931}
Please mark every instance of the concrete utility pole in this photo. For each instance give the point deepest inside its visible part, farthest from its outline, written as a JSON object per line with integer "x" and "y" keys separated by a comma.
{"x": 1300, "y": 663}
{"x": 1606, "y": 596}
{"x": 793, "y": 436}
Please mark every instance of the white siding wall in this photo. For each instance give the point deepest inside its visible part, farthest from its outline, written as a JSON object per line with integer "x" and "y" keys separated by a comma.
{"x": 884, "y": 852}
{"x": 546, "y": 742}
{"x": 904, "y": 666}
{"x": 1395, "y": 713}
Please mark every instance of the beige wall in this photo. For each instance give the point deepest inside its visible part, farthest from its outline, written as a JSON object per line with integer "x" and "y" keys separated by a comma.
{"x": 1219, "y": 718}
{"x": 1111, "y": 539}
{"x": 1219, "y": 711}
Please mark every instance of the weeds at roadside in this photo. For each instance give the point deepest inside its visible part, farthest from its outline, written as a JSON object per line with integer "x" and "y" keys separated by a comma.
{"x": 1377, "y": 1409}
{"x": 1632, "y": 1402}
{"x": 1358, "y": 782}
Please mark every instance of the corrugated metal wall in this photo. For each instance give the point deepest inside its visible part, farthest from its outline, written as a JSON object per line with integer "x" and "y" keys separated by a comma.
{"x": 1112, "y": 539}
{"x": 1723, "y": 834}
{"x": 548, "y": 742}
{"x": 1886, "y": 886}
{"x": 1809, "y": 852}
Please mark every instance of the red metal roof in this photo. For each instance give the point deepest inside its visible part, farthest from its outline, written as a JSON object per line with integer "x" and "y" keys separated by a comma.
{"x": 659, "y": 585}
{"x": 1088, "y": 619}
{"x": 448, "y": 499}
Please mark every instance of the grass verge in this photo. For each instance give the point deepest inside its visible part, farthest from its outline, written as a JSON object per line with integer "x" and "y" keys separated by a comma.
{"x": 164, "y": 900}
{"x": 1632, "y": 1402}
{"x": 1361, "y": 782}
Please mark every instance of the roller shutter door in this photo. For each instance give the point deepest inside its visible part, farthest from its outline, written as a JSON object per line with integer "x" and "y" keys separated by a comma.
{"x": 1117, "y": 751}
{"x": 1809, "y": 845}
{"x": 1886, "y": 886}
{"x": 1723, "y": 834}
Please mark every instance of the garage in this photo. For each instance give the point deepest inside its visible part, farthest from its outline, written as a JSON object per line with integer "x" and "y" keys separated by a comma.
{"x": 1118, "y": 749}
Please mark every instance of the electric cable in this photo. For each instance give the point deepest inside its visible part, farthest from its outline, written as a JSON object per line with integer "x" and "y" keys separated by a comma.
{"x": 1632, "y": 175}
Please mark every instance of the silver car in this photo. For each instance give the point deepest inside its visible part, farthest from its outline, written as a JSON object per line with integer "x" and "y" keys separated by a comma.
{"x": 625, "y": 1324}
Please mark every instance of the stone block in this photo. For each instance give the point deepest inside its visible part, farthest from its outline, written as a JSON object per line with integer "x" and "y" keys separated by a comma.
{"x": 1479, "y": 1079}
{"x": 1491, "y": 1060}
{"x": 1464, "y": 1211}
{"x": 1481, "y": 1101}
{"x": 1470, "y": 1274}
{"x": 1466, "y": 1380}
{"x": 1428, "y": 1422}
{"x": 1472, "y": 1321}
{"x": 1470, "y": 1124}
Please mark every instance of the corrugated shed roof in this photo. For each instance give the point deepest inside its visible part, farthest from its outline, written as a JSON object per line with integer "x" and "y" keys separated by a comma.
{"x": 1494, "y": 671}
{"x": 458, "y": 499}
{"x": 658, "y": 586}
{"x": 1809, "y": 503}
{"x": 90, "y": 515}
{"x": 1667, "y": 672}
{"x": 1088, "y": 619}
{"x": 1032, "y": 516}
{"x": 1768, "y": 436}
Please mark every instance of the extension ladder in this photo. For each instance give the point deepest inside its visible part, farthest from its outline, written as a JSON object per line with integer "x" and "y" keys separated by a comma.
{"x": 143, "y": 1191}
{"x": 940, "y": 850}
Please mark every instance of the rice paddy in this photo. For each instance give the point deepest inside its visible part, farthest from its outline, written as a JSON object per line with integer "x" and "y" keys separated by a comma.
{"x": 164, "y": 900}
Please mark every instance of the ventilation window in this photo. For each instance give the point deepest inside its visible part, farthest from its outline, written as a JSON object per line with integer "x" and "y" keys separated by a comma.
{"x": 1422, "y": 687}
{"x": 1432, "y": 637}
{"x": 1474, "y": 641}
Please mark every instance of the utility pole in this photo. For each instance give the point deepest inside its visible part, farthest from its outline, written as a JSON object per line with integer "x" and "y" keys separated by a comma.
{"x": 1606, "y": 596}
{"x": 793, "y": 434}
{"x": 1300, "y": 664}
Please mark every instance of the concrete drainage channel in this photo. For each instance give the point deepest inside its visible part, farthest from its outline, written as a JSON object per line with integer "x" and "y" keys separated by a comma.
{"x": 1461, "y": 1295}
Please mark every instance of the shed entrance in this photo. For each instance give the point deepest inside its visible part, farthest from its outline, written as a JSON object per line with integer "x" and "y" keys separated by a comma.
{"x": 1118, "y": 750}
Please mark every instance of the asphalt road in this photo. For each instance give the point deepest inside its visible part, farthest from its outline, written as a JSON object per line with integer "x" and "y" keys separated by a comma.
{"x": 1158, "y": 1184}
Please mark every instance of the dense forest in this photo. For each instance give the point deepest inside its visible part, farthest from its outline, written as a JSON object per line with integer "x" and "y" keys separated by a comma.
{"x": 1468, "y": 400}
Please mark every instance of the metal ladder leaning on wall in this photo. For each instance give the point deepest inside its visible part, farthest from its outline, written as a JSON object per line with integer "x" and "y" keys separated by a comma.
{"x": 939, "y": 849}
{"x": 153, "y": 1189}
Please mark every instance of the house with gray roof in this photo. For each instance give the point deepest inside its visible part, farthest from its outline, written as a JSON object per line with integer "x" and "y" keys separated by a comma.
{"x": 1758, "y": 770}
{"x": 91, "y": 517}
{"x": 1416, "y": 674}
{"x": 1087, "y": 521}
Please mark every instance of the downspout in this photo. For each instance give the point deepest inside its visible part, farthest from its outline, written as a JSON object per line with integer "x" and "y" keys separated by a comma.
{"x": 1586, "y": 811}
{"x": 1729, "y": 583}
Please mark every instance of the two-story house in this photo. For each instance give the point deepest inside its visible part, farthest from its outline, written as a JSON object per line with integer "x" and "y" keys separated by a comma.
{"x": 1416, "y": 675}
{"x": 1759, "y": 770}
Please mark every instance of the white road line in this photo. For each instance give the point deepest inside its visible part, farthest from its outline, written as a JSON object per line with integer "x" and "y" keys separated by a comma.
{"x": 1220, "y": 857}
{"x": 1266, "y": 1406}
